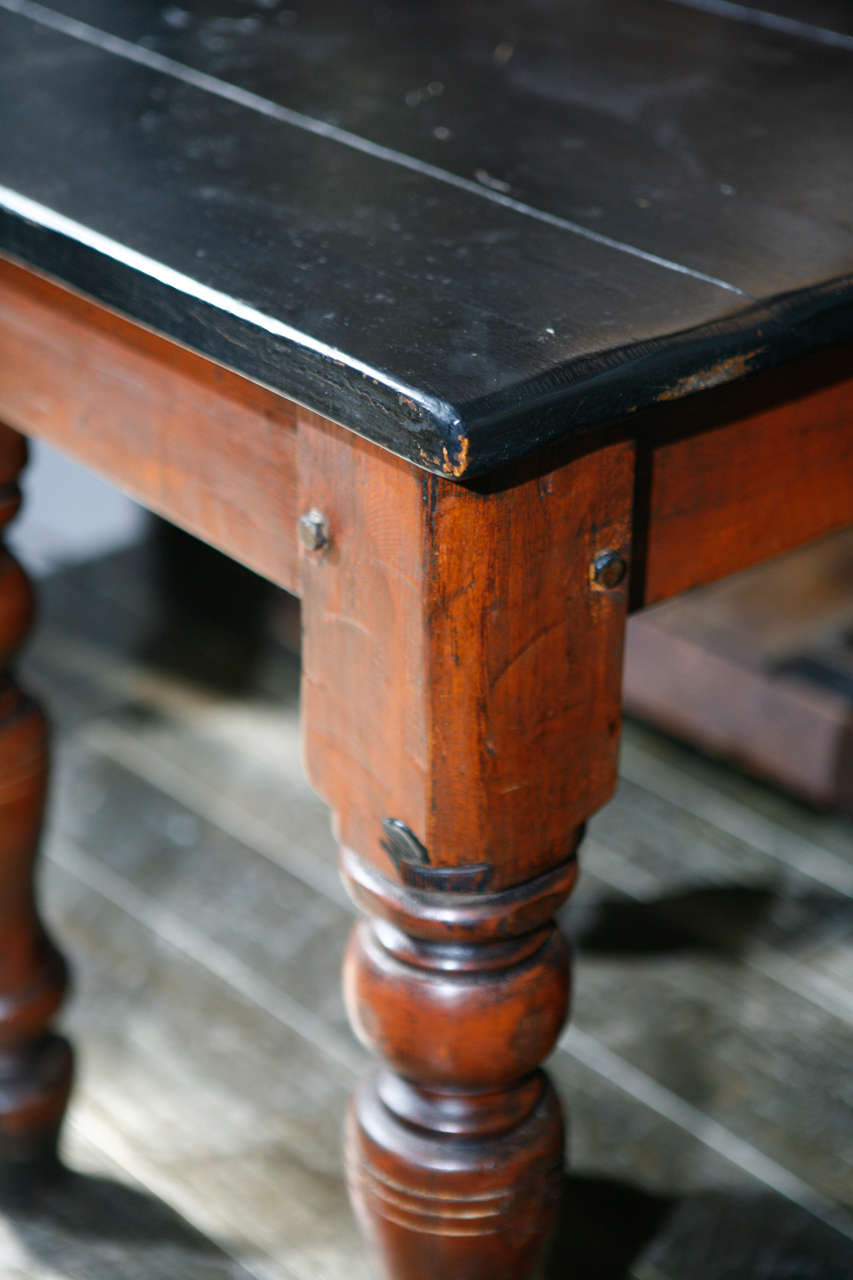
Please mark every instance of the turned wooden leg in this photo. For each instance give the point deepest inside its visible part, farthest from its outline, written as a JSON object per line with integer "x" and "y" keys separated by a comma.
{"x": 35, "y": 1065}
{"x": 461, "y": 708}
{"x": 455, "y": 1147}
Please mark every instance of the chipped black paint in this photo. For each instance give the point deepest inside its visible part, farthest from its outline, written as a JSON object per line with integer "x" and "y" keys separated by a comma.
{"x": 637, "y": 241}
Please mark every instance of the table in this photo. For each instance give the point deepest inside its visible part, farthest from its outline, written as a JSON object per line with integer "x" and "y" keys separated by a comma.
{"x": 476, "y": 326}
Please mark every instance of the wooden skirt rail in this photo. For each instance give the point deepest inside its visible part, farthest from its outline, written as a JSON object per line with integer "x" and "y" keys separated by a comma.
{"x": 724, "y": 479}
{"x": 204, "y": 447}
{"x": 731, "y": 477}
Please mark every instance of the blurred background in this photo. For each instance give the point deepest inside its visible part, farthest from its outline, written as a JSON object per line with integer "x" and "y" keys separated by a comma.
{"x": 189, "y": 871}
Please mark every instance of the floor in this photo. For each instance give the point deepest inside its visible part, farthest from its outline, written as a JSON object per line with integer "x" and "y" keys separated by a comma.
{"x": 190, "y": 873}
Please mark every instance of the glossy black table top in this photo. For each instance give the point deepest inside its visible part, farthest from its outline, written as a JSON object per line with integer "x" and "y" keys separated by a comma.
{"x": 459, "y": 229}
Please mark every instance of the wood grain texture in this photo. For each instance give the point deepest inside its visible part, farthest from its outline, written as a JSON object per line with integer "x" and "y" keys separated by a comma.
{"x": 461, "y": 679}
{"x": 461, "y": 672}
{"x": 365, "y": 666}
{"x": 734, "y": 476}
{"x": 185, "y": 437}
{"x": 35, "y": 1065}
{"x": 461, "y": 675}
{"x": 525, "y": 660}
{"x": 216, "y": 453}
{"x": 455, "y": 1147}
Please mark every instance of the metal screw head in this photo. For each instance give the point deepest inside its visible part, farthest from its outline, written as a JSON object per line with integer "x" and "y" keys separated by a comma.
{"x": 608, "y": 569}
{"x": 314, "y": 530}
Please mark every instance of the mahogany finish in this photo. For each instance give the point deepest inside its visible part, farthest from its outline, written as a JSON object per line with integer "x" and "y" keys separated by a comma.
{"x": 728, "y": 479}
{"x": 455, "y": 1151}
{"x": 461, "y": 669}
{"x": 35, "y": 1064}
{"x": 524, "y": 313}
{"x": 461, "y": 706}
{"x": 430, "y": 618}
{"x": 185, "y": 437}
{"x": 461, "y": 676}
{"x": 218, "y": 454}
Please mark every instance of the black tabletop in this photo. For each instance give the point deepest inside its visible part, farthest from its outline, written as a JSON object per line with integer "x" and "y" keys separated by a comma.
{"x": 460, "y": 228}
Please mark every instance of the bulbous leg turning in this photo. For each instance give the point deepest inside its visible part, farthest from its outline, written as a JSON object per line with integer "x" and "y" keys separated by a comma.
{"x": 35, "y": 1065}
{"x": 455, "y": 1145}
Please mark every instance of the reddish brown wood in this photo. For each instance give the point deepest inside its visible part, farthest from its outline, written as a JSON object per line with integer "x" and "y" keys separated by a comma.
{"x": 461, "y": 708}
{"x": 187, "y": 438}
{"x": 730, "y": 478}
{"x": 35, "y": 1065}
{"x": 455, "y": 1149}
{"x": 726, "y": 478}
{"x": 461, "y": 675}
{"x": 461, "y": 671}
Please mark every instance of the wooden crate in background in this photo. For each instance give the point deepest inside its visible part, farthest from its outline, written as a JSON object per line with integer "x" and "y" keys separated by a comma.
{"x": 759, "y": 669}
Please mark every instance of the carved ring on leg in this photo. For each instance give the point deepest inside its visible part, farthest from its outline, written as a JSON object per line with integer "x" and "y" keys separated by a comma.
{"x": 455, "y": 1145}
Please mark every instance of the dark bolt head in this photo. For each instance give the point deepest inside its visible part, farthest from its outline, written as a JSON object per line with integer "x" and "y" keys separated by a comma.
{"x": 314, "y": 530}
{"x": 608, "y": 569}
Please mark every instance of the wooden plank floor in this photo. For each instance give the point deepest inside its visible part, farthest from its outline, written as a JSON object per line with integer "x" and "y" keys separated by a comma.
{"x": 190, "y": 873}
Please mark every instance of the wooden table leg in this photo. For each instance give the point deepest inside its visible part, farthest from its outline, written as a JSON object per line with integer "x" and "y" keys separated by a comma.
{"x": 461, "y": 668}
{"x": 455, "y": 1146}
{"x": 35, "y": 1064}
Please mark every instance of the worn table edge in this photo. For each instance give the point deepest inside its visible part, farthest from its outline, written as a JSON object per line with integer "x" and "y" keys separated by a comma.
{"x": 460, "y": 442}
